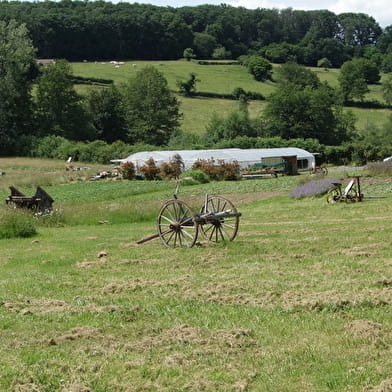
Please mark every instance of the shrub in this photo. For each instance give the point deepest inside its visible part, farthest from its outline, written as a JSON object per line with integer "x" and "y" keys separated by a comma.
{"x": 16, "y": 223}
{"x": 127, "y": 170}
{"x": 150, "y": 170}
{"x": 173, "y": 168}
{"x": 197, "y": 175}
{"x": 218, "y": 170}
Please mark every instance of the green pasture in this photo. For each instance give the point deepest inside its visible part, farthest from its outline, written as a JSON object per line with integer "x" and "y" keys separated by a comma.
{"x": 220, "y": 79}
{"x": 299, "y": 301}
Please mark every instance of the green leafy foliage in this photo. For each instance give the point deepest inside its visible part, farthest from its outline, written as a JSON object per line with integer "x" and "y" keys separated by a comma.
{"x": 302, "y": 107}
{"x": 354, "y": 77}
{"x": 189, "y": 54}
{"x": 197, "y": 175}
{"x": 57, "y": 106}
{"x": 151, "y": 110}
{"x": 16, "y": 223}
{"x": 260, "y": 68}
{"x": 17, "y": 69}
{"x": 188, "y": 87}
{"x": 105, "y": 107}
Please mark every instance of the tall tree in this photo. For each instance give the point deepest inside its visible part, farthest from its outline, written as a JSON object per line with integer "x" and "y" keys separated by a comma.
{"x": 357, "y": 29}
{"x": 302, "y": 107}
{"x": 354, "y": 77}
{"x": 58, "y": 107}
{"x": 17, "y": 69}
{"x": 107, "y": 113}
{"x": 295, "y": 74}
{"x": 260, "y": 68}
{"x": 151, "y": 110}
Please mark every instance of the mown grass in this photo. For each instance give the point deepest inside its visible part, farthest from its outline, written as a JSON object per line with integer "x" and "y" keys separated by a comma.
{"x": 300, "y": 301}
{"x": 221, "y": 79}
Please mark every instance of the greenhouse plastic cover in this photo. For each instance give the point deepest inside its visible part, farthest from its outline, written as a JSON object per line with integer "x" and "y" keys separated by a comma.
{"x": 244, "y": 157}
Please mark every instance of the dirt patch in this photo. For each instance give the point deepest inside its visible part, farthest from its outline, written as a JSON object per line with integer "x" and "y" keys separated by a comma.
{"x": 364, "y": 328}
{"x": 385, "y": 386}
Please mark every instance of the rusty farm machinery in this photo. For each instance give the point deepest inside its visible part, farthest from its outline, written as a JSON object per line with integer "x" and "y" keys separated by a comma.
{"x": 179, "y": 226}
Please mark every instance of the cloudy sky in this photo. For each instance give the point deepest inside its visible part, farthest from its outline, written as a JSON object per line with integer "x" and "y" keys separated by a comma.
{"x": 381, "y": 10}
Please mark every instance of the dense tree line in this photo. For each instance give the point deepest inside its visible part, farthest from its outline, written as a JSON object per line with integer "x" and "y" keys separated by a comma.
{"x": 41, "y": 102}
{"x": 77, "y": 30}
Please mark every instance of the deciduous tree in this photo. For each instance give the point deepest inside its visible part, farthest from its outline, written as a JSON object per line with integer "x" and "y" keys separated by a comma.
{"x": 151, "y": 110}
{"x": 58, "y": 107}
{"x": 17, "y": 69}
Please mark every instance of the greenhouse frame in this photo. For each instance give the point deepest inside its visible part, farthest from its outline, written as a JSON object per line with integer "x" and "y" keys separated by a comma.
{"x": 302, "y": 159}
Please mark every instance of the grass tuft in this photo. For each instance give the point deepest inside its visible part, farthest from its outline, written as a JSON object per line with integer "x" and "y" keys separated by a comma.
{"x": 16, "y": 223}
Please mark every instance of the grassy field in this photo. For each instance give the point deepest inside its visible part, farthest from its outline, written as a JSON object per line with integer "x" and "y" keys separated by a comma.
{"x": 299, "y": 301}
{"x": 222, "y": 79}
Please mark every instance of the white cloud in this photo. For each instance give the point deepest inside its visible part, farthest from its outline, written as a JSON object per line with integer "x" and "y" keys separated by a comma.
{"x": 380, "y": 10}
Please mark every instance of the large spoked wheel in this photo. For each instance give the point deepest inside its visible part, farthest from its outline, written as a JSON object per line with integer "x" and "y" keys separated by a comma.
{"x": 220, "y": 228}
{"x": 334, "y": 196}
{"x": 176, "y": 226}
{"x": 352, "y": 196}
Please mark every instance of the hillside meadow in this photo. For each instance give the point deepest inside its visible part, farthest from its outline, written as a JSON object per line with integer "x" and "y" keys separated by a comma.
{"x": 219, "y": 79}
{"x": 299, "y": 301}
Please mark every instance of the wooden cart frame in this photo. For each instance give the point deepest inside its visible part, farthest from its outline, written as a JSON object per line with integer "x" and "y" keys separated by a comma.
{"x": 179, "y": 226}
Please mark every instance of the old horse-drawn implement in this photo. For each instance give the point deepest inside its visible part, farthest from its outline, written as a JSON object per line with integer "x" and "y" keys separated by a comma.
{"x": 179, "y": 226}
{"x": 351, "y": 193}
{"x": 40, "y": 202}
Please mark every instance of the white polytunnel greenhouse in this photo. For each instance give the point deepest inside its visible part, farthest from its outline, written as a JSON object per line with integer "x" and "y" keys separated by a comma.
{"x": 302, "y": 159}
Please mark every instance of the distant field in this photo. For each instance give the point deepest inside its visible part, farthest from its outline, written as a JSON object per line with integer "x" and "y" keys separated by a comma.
{"x": 222, "y": 79}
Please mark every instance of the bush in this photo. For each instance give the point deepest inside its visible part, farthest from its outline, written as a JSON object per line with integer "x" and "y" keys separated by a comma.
{"x": 150, "y": 170}
{"x": 197, "y": 175}
{"x": 218, "y": 170}
{"x": 172, "y": 169}
{"x": 16, "y": 223}
{"x": 127, "y": 170}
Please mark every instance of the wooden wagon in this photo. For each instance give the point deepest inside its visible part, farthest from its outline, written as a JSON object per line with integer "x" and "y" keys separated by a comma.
{"x": 40, "y": 202}
{"x": 179, "y": 226}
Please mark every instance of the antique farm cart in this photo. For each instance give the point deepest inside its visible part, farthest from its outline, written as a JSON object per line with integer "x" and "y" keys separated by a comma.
{"x": 40, "y": 202}
{"x": 351, "y": 193}
{"x": 179, "y": 226}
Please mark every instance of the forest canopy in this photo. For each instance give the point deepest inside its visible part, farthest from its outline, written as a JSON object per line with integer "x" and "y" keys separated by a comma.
{"x": 77, "y": 30}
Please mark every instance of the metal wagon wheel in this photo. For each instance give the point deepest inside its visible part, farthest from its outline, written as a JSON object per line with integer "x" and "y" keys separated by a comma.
{"x": 220, "y": 228}
{"x": 334, "y": 195}
{"x": 352, "y": 196}
{"x": 176, "y": 226}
